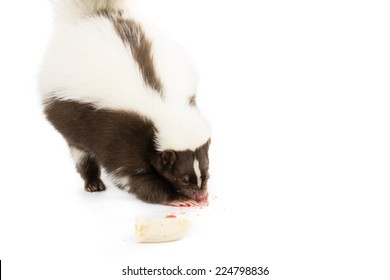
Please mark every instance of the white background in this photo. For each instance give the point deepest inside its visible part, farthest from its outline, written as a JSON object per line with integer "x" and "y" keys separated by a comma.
{"x": 298, "y": 96}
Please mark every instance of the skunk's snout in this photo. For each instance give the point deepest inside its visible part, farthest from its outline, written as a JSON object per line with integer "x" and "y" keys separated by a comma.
{"x": 202, "y": 197}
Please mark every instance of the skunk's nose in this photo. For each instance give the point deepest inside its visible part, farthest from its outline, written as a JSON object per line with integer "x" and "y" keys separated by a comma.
{"x": 202, "y": 197}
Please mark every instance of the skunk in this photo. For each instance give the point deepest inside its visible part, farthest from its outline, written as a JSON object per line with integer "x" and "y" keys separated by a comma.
{"x": 124, "y": 98}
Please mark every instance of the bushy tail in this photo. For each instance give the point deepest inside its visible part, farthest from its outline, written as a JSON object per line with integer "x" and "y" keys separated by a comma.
{"x": 89, "y": 7}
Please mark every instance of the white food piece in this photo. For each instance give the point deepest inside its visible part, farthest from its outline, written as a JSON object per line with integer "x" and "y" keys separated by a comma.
{"x": 154, "y": 230}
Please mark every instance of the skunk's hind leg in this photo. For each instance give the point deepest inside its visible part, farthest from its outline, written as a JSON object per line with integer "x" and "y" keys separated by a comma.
{"x": 89, "y": 170}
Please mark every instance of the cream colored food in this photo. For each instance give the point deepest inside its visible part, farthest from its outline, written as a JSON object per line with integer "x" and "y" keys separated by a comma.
{"x": 153, "y": 230}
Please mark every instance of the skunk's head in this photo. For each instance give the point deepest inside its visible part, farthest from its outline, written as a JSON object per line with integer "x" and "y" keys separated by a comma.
{"x": 187, "y": 171}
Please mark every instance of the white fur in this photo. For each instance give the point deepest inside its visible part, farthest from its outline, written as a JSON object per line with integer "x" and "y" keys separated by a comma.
{"x": 77, "y": 155}
{"x": 75, "y": 9}
{"x": 86, "y": 61}
{"x": 197, "y": 173}
{"x": 91, "y": 6}
{"x": 122, "y": 181}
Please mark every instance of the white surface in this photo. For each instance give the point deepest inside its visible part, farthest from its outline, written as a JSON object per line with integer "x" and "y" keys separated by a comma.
{"x": 298, "y": 96}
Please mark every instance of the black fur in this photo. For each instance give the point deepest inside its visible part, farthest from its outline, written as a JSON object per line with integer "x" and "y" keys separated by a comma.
{"x": 123, "y": 143}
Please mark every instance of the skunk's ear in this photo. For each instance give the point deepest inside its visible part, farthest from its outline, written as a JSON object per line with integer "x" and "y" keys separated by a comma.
{"x": 168, "y": 158}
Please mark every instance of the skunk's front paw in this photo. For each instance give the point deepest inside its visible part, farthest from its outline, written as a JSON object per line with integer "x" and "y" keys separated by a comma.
{"x": 96, "y": 185}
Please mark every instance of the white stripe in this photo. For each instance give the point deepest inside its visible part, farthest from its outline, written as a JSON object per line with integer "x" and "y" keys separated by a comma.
{"x": 197, "y": 172}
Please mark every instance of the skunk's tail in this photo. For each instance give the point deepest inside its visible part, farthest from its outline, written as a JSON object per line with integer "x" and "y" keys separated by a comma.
{"x": 88, "y": 7}
{"x": 77, "y": 8}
